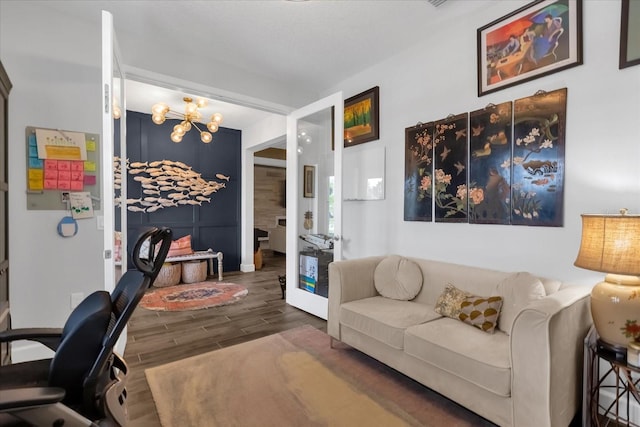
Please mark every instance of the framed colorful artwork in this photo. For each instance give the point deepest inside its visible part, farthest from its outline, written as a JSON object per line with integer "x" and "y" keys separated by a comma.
{"x": 450, "y": 154}
{"x": 362, "y": 117}
{"x": 537, "y": 186}
{"x": 630, "y": 34}
{"x": 418, "y": 172}
{"x": 490, "y": 164}
{"x": 309, "y": 184}
{"x": 538, "y": 39}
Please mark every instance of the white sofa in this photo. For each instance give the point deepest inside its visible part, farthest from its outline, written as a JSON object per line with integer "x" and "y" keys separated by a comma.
{"x": 278, "y": 239}
{"x": 528, "y": 372}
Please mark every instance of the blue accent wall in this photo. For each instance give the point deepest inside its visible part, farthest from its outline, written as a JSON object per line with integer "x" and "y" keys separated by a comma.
{"x": 215, "y": 224}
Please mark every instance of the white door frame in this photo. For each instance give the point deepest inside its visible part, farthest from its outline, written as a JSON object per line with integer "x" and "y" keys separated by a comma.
{"x": 307, "y": 301}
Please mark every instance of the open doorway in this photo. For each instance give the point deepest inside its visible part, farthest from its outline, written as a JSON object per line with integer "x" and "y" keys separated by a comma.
{"x": 269, "y": 207}
{"x": 240, "y": 113}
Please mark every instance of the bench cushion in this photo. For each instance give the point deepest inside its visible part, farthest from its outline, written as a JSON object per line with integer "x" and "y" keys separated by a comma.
{"x": 464, "y": 351}
{"x": 385, "y": 319}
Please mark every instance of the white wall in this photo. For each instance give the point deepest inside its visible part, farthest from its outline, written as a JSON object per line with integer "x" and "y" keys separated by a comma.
{"x": 54, "y": 65}
{"x": 437, "y": 78}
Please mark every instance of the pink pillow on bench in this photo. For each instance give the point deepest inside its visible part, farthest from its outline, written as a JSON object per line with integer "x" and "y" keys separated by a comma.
{"x": 180, "y": 247}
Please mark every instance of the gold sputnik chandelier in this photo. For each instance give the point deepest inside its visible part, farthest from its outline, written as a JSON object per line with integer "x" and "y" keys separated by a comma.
{"x": 191, "y": 117}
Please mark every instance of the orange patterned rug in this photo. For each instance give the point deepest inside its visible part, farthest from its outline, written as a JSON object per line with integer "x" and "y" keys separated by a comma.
{"x": 194, "y": 296}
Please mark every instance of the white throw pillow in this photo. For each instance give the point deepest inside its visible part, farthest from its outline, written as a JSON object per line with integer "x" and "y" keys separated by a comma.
{"x": 398, "y": 278}
{"x": 517, "y": 291}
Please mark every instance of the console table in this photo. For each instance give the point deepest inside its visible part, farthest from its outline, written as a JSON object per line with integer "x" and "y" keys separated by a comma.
{"x": 606, "y": 371}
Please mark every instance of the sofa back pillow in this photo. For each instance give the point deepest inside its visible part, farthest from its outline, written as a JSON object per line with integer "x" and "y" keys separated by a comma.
{"x": 481, "y": 312}
{"x": 397, "y": 278}
{"x": 517, "y": 291}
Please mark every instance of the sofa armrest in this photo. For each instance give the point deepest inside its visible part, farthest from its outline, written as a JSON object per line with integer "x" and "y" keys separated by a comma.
{"x": 546, "y": 347}
{"x": 349, "y": 280}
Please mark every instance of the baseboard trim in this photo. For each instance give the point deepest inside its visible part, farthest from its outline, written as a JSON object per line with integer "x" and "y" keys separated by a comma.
{"x": 247, "y": 268}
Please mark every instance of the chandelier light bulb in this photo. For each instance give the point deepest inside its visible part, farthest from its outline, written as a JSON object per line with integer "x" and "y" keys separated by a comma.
{"x": 186, "y": 125}
{"x": 175, "y": 137}
{"x": 191, "y": 108}
{"x": 217, "y": 117}
{"x": 201, "y": 102}
{"x": 179, "y": 130}
{"x": 160, "y": 108}
{"x": 206, "y": 137}
{"x": 158, "y": 119}
{"x": 300, "y": 150}
{"x": 212, "y": 126}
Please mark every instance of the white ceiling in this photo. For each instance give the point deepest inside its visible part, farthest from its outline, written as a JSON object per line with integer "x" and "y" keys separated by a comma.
{"x": 142, "y": 96}
{"x": 294, "y": 44}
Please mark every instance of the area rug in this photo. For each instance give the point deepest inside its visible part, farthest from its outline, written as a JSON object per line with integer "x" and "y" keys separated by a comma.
{"x": 193, "y": 296}
{"x": 295, "y": 378}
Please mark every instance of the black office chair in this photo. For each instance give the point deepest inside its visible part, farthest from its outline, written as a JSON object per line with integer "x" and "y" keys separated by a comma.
{"x": 84, "y": 383}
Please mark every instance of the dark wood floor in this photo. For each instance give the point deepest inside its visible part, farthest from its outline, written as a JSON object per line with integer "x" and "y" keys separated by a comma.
{"x": 155, "y": 338}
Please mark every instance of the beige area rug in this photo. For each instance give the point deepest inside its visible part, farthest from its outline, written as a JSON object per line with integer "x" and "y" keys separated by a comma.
{"x": 295, "y": 379}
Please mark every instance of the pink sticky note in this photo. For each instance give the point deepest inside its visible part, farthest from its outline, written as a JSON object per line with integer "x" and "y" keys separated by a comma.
{"x": 50, "y": 174}
{"x": 64, "y": 165}
{"x": 50, "y": 184}
{"x": 89, "y": 180}
{"x": 77, "y": 166}
{"x": 50, "y": 164}
{"x": 77, "y": 176}
{"x": 76, "y": 185}
{"x": 64, "y": 175}
{"x": 64, "y": 185}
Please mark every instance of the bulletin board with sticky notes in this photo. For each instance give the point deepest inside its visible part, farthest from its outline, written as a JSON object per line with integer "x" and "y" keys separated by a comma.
{"x": 61, "y": 161}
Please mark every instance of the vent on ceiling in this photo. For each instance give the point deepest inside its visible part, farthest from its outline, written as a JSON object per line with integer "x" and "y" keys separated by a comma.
{"x": 436, "y": 3}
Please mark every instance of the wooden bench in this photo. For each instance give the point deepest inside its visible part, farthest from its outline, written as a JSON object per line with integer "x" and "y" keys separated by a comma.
{"x": 209, "y": 255}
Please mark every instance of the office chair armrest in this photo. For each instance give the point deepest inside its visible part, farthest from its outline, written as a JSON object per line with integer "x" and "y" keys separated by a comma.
{"x": 19, "y": 398}
{"x": 49, "y": 337}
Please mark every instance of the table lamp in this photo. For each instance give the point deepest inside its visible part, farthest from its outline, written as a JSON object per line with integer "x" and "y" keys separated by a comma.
{"x": 611, "y": 244}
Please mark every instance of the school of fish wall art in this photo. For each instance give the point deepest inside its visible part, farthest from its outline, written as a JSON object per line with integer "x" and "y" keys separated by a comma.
{"x": 165, "y": 184}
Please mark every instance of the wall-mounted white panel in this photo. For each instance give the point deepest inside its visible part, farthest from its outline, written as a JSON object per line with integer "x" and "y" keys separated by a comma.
{"x": 364, "y": 173}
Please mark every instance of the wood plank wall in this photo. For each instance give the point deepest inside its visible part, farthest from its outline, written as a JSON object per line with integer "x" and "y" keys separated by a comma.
{"x": 269, "y": 195}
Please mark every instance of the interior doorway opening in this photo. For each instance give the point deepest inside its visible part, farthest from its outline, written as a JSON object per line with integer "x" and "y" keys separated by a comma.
{"x": 269, "y": 203}
{"x": 143, "y": 89}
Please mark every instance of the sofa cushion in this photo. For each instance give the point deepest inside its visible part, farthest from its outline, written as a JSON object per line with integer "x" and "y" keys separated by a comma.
{"x": 450, "y": 301}
{"x": 481, "y": 312}
{"x": 469, "y": 353}
{"x": 517, "y": 291}
{"x": 385, "y": 319}
{"x": 398, "y": 278}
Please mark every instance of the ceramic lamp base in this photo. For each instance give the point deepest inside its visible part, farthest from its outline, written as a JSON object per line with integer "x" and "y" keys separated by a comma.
{"x": 615, "y": 308}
